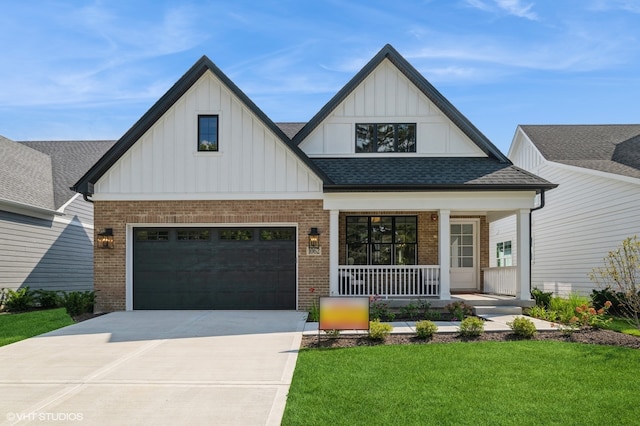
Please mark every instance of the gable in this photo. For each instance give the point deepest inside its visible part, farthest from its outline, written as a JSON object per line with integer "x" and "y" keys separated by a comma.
{"x": 164, "y": 163}
{"x": 386, "y": 95}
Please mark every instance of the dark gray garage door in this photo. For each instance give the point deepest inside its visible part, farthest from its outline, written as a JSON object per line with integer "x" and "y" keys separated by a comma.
{"x": 214, "y": 268}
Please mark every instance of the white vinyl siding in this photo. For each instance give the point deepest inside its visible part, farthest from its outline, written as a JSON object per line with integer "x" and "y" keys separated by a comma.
{"x": 585, "y": 217}
{"x": 387, "y": 96}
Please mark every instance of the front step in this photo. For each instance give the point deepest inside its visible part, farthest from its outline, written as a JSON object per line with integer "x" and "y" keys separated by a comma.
{"x": 497, "y": 310}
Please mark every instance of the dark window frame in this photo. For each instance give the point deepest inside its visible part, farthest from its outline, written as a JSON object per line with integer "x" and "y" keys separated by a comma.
{"x": 375, "y": 138}
{"x": 372, "y": 245}
{"x": 201, "y": 136}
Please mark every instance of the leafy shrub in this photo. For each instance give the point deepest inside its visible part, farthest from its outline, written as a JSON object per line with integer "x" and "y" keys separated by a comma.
{"x": 522, "y": 327}
{"x": 410, "y": 311}
{"x": 380, "y": 310}
{"x": 542, "y": 298}
{"x": 426, "y": 329}
{"x": 566, "y": 308}
{"x": 543, "y": 314}
{"x": 459, "y": 310}
{"x": 379, "y": 330}
{"x": 589, "y": 316}
{"x": 333, "y": 333}
{"x": 18, "y": 300}
{"x": 471, "y": 327}
{"x": 600, "y": 297}
{"x": 79, "y": 302}
{"x": 621, "y": 272}
{"x": 48, "y": 299}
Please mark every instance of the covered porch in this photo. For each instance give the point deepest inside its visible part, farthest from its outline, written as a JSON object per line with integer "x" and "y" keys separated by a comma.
{"x": 452, "y": 249}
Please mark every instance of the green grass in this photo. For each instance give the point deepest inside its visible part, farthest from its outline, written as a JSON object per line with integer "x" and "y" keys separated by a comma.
{"x": 621, "y": 325}
{"x": 492, "y": 383}
{"x": 16, "y": 327}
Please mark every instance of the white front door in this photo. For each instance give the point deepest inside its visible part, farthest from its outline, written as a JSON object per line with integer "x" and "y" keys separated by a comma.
{"x": 464, "y": 254}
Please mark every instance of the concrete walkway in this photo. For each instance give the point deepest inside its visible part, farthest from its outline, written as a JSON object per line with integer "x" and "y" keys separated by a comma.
{"x": 155, "y": 367}
{"x": 493, "y": 323}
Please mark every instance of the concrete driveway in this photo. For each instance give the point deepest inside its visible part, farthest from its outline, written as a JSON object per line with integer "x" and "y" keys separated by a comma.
{"x": 155, "y": 367}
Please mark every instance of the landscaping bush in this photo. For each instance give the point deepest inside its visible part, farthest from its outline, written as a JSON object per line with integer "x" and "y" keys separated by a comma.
{"x": 48, "y": 299}
{"x": 522, "y": 327}
{"x": 600, "y": 297}
{"x": 379, "y": 330}
{"x": 426, "y": 329}
{"x": 79, "y": 302}
{"x": 471, "y": 327}
{"x": 565, "y": 308}
{"x": 409, "y": 311}
{"x": 542, "y": 298}
{"x": 621, "y": 273}
{"x": 542, "y": 313}
{"x": 380, "y": 310}
{"x": 19, "y": 300}
{"x": 459, "y": 310}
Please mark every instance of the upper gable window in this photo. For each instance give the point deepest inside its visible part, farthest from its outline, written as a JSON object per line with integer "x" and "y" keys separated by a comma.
{"x": 386, "y": 137}
{"x": 207, "y": 133}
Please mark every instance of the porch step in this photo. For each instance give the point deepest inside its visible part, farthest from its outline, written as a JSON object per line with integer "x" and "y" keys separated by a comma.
{"x": 497, "y": 310}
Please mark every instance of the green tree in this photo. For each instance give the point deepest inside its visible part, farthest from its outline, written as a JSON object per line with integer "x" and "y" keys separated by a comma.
{"x": 621, "y": 273}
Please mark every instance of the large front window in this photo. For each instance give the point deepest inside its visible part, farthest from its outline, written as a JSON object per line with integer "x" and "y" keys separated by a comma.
{"x": 503, "y": 253}
{"x": 382, "y": 240}
{"x": 386, "y": 137}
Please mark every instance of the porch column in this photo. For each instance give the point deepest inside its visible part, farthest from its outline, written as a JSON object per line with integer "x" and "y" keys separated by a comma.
{"x": 334, "y": 250}
{"x": 444, "y": 253}
{"x": 523, "y": 255}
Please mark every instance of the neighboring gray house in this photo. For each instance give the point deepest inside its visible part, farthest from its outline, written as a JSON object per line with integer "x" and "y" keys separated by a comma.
{"x": 46, "y": 230}
{"x": 593, "y": 209}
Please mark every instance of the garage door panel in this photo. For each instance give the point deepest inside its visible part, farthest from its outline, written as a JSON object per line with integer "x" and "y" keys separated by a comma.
{"x": 243, "y": 268}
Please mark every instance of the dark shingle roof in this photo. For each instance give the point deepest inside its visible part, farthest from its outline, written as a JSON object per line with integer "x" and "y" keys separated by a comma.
{"x": 25, "y": 175}
{"x": 69, "y": 161}
{"x": 427, "y": 173}
{"x": 290, "y": 129}
{"x": 608, "y": 148}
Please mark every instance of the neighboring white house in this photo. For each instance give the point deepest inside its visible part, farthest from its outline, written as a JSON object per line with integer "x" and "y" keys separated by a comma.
{"x": 595, "y": 206}
{"x": 46, "y": 230}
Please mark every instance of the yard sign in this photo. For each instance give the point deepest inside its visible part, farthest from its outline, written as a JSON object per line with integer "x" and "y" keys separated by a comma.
{"x": 344, "y": 313}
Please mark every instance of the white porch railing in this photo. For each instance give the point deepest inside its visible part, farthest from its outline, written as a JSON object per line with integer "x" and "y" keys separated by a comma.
{"x": 500, "y": 280}
{"x": 389, "y": 281}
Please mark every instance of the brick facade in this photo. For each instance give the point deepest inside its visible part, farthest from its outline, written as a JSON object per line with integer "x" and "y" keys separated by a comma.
{"x": 110, "y": 265}
{"x": 313, "y": 271}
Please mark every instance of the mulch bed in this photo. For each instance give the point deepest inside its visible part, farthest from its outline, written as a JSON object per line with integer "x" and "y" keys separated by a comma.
{"x": 590, "y": 336}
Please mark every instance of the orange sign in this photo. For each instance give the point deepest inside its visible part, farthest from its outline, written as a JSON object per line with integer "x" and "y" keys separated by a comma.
{"x": 344, "y": 313}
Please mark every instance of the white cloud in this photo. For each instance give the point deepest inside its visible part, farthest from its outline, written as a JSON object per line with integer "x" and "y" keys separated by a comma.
{"x": 511, "y": 7}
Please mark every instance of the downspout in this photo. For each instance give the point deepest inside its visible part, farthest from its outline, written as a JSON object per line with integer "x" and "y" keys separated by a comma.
{"x": 86, "y": 198}
{"x": 542, "y": 202}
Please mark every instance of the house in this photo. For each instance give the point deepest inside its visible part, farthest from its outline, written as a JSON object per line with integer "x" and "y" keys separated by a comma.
{"x": 388, "y": 190}
{"x": 594, "y": 208}
{"x": 46, "y": 230}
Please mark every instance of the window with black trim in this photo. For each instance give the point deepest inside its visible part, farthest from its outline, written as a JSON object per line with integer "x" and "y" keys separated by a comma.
{"x": 192, "y": 235}
{"x": 382, "y": 240}
{"x": 207, "y": 133}
{"x": 236, "y": 235}
{"x": 152, "y": 235}
{"x": 275, "y": 234}
{"x": 385, "y": 137}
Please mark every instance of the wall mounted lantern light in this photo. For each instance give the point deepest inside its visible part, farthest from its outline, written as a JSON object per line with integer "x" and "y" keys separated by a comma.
{"x": 314, "y": 242}
{"x": 105, "y": 239}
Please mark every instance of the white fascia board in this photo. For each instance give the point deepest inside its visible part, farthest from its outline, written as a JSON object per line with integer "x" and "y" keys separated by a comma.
{"x": 27, "y": 210}
{"x": 198, "y": 196}
{"x": 430, "y": 201}
{"x": 593, "y": 172}
{"x": 71, "y": 200}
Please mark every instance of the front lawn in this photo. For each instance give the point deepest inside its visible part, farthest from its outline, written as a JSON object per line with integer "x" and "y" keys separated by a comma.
{"x": 496, "y": 383}
{"x": 621, "y": 325}
{"x": 16, "y": 327}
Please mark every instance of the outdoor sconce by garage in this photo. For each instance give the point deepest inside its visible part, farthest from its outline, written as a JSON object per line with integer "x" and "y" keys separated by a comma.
{"x": 105, "y": 239}
{"x": 314, "y": 242}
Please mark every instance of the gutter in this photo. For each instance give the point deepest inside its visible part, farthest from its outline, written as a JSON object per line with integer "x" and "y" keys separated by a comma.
{"x": 29, "y": 207}
{"x": 541, "y": 206}
{"x": 85, "y": 197}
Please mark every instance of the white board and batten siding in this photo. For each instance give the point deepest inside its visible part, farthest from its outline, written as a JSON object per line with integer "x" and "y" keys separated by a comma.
{"x": 251, "y": 163}
{"x": 585, "y": 217}
{"x": 387, "y": 96}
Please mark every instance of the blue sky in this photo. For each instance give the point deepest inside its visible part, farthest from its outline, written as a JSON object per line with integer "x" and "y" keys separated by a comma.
{"x": 90, "y": 69}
